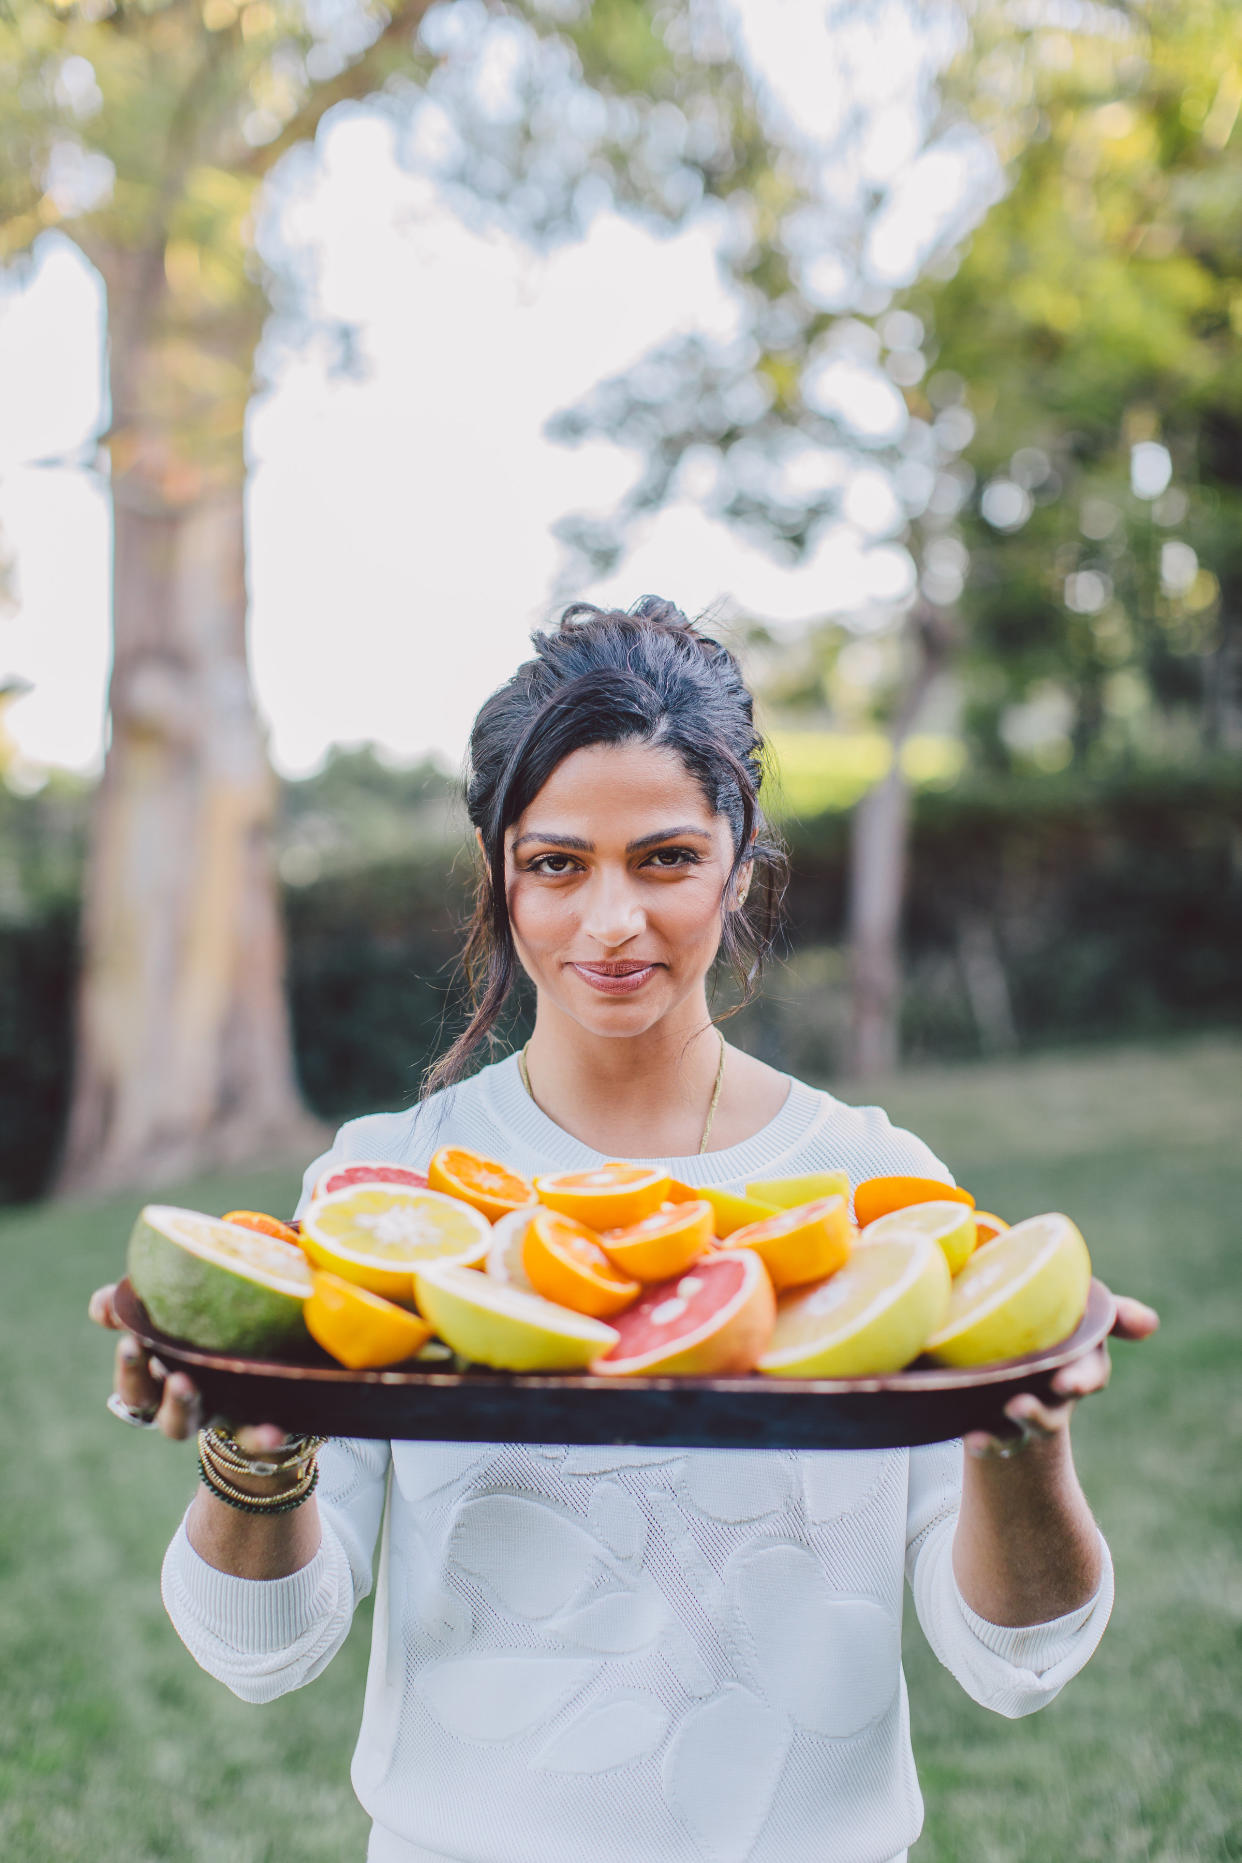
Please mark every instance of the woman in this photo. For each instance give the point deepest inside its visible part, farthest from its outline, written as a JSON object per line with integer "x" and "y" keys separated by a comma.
{"x": 623, "y": 1654}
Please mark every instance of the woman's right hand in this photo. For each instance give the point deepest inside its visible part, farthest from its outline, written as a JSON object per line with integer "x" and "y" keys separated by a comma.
{"x": 171, "y": 1398}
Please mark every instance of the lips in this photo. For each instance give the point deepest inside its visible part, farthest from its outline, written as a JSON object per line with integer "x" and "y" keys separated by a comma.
{"x": 616, "y": 976}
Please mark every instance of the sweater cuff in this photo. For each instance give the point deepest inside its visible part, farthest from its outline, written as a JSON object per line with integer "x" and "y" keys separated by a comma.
{"x": 254, "y": 1616}
{"x": 1039, "y": 1648}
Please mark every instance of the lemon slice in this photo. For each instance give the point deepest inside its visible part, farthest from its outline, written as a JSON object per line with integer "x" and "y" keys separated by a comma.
{"x": 504, "y": 1253}
{"x": 494, "y": 1324}
{"x": 950, "y": 1224}
{"x": 375, "y": 1234}
{"x": 787, "y": 1193}
{"x": 872, "y": 1316}
{"x": 1025, "y": 1291}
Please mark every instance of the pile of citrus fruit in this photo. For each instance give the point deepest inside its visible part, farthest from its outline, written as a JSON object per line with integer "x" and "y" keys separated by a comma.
{"x": 620, "y": 1270}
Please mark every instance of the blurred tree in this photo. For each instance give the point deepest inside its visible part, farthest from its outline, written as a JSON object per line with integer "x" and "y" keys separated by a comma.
{"x": 144, "y": 130}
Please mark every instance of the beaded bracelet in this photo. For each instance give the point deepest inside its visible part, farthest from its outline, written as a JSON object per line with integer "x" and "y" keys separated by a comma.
{"x": 230, "y": 1460}
{"x": 219, "y": 1459}
{"x": 282, "y": 1503}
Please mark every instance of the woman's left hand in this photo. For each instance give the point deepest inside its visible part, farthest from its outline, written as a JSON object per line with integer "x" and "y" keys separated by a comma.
{"x": 1039, "y": 1418}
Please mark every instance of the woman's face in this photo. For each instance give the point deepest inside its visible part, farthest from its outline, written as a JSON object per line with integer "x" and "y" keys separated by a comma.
{"x": 616, "y": 874}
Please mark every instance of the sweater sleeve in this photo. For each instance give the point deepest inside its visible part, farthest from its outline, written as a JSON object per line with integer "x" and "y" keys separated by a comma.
{"x": 264, "y": 1637}
{"x": 1013, "y": 1671}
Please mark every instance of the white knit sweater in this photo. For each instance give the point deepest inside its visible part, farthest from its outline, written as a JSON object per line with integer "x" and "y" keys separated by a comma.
{"x": 627, "y": 1655}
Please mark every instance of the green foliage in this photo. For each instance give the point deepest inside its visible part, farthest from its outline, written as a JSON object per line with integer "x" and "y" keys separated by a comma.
{"x": 115, "y": 1747}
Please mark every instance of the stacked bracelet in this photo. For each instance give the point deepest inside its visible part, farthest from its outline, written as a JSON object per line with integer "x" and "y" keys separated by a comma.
{"x": 219, "y": 1460}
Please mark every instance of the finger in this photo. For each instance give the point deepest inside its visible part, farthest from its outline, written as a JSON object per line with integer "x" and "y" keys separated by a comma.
{"x": 260, "y": 1438}
{"x": 133, "y": 1379}
{"x": 1036, "y": 1418}
{"x": 101, "y": 1308}
{"x": 181, "y": 1409}
{"x": 1135, "y": 1319}
{"x": 1085, "y": 1375}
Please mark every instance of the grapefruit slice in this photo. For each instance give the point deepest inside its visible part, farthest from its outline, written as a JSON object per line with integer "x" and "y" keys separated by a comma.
{"x": 876, "y": 1196}
{"x": 494, "y": 1324}
{"x": 346, "y": 1176}
{"x": 950, "y": 1224}
{"x": 787, "y": 1193}
{"x": 606, "y": 1198}
{"x": 873, "y": 1316}
{"x": 800, "y": 1245}
{"x": 216, "y": 1285}
{"x": 729, "y": 1211}
{"x": 504, "y": 1251}
{"x": 664, "y": 1244}
{"x": 360, "y": 1330}
{"x": 565, "y": 1263}
{"x": 376, "y": 1234}
{"x": 712, "y": 1322}
{"x": 1026, "y": 1291}
{"x": 492, "y": 1188}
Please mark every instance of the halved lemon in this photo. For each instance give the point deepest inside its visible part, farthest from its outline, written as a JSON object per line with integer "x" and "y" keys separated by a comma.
{"x": 662, "y": 1245}
{"x": 489, "y": 1187}
{"x": 729, "y": 1210}
{"x": 492, "y": 1324}
{"x": 606, "y": 1198}
{"x": 877, "y": 1196}
{"x": 788, "y": 1193}
{"x": 952, "y": 1225}
{"x": 869, "y": 1318}
{"x": 988, "y": 1227}
{"x": 800, "y": 1245}
{"x": 564, "y": 1262}
{"x": 1025, "y": 1291}
{"x": 361, "y": 1330}
{"x": 376, "y": 1234}
{"x": 504, "y": 1251}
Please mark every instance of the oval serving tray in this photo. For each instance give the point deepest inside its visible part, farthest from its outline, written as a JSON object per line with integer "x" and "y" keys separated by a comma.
{"x": 925, "y": 1404}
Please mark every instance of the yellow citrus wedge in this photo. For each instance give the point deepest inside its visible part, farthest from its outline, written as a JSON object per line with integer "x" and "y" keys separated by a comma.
{"x": 789, "y": 1193}
{"x": 504, "y": 1252}
{"x": 565, "y": 1263}
{"x": 868, "y": 1319}
{"x": 877, "y": 1196}
{"x": 361, "y": 1330}
{"x": 493, "y": 1324}
{"x": 729, "y": 1210}
{"x": 376, "y": 1234}
{"x": 491, "y": 1188}
{"x": 1025, "y": 1291}
{"x": 661, "y": 1245}
{"x": 800, "y": 1245}
{"x": 606, "y": 1198}
{"x": 988, "y": 1227}
{"x": 950, "y": 1224}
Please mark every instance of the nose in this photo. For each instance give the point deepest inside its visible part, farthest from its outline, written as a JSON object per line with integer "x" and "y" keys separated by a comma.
{"x": 612, "y": 910}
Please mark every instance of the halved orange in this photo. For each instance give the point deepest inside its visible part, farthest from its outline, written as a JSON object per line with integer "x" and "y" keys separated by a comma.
{"x": 566, "y": 1264}
{"x": 361, "y": 1330}
{"x": 661, "y": 1245}
{"x": 988, "y": 1227}
{"x": 800, "y": 1245}
{"x": 878, "y": 1195}
{"x": 490, "y": 1187}
{"x": 264, "y": 1225}
{"x": 609, "y": 1197}
{"x": 730, "y": 1211}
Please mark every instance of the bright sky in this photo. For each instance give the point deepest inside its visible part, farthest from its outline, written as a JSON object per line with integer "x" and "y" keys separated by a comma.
{"x": 400, "y": 525}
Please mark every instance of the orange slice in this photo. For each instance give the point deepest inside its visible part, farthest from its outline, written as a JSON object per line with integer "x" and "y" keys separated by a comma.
{"x": 375, "y": 1235}
{"x": 729, "y": 1210}
{"x": 800, "y": 1245}
{"x": 610, "y": 1197}
{"x": 988, "y": 1227}
{"x": 490, "y": 1187}
{"x": 264, "y": 1225}
{"x": 361, "y": 1330}
{"x": 878, "y": 1195}
{"x": 566, "y": 1264}
{"x": 661, "y": 1245}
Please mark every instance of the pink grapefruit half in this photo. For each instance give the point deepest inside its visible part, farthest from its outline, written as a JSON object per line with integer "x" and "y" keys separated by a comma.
{"x": 348, "y": 1176}
{"x": 713, "y": 1321}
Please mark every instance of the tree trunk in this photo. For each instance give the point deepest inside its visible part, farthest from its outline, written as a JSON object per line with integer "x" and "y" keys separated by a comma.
{"x": 879, "y": 845}
{"x": 183, "y": 1056}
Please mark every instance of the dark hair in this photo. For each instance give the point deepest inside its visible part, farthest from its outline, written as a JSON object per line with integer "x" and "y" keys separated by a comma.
{"x": 605, "y": 676}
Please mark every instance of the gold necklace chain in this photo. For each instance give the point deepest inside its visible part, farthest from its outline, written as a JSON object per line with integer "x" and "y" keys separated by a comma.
{"x": 524, "y": 1071}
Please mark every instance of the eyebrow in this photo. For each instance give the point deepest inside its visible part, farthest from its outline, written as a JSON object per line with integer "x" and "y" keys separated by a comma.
{"x": 579, "y": 846}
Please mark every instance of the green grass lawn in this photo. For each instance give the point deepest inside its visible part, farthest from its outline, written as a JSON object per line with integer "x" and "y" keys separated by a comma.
{"x": 115, "y": 1748}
